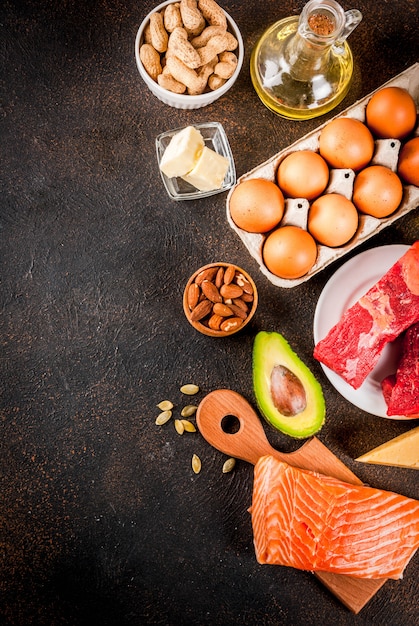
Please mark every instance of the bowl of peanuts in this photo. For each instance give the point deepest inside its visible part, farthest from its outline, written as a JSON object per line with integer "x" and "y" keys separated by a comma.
{"x": 220, "y": 299}
{"x": 189, "y": 53}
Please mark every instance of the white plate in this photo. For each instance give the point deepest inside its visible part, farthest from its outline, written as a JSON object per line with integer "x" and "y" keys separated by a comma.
{"x": 345, "y": 287}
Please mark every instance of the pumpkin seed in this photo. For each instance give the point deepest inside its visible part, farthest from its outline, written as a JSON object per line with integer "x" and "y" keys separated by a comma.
{"x": 165, "y": 405}
{"x": 180, "y": 428}
{"x": 163, "y": 417}
{"x": 196, "y": 464}
{"x": 189, "y": 390}
{"x": 188, "y": 426}
{"x": 229, "y": 465}
{"x": 188, "y": 410}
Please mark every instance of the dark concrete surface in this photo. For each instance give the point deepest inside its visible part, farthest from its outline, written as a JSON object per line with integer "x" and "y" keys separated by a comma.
{"x": 102, "y": 520}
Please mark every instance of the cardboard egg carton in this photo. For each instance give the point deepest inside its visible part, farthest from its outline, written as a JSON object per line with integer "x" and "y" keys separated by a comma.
{"x": 340, "y": 181}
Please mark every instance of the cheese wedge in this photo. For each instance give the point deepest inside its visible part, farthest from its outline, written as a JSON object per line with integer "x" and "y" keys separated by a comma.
{"x": 402, "y": 451}
{"x": 182, "y": 153}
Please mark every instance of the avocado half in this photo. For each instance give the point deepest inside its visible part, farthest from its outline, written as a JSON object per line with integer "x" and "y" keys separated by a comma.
{"x": 287, "y": 394}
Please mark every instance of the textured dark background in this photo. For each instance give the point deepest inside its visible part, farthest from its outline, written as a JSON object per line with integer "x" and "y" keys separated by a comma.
{"x": 102, "y": 520}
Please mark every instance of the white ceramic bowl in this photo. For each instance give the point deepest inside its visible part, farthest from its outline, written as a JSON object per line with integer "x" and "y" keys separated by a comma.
{"x": 184, "y": 101}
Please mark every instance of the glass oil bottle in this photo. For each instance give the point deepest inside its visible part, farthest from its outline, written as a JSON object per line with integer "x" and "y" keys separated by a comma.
{"x": 302, "y": 66}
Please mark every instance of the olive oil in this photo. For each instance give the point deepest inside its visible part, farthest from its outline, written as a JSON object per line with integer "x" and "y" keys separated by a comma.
{"x": 302, "y": 66}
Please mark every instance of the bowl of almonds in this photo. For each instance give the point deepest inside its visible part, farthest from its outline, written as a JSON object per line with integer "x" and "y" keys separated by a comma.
{"x": 220, "y": 299}
{"x": 189, "y": 53}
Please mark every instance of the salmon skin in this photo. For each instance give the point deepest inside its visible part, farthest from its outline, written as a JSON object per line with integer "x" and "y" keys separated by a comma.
{"x": 353, "y": 346}
{"x": 312, "y": 522}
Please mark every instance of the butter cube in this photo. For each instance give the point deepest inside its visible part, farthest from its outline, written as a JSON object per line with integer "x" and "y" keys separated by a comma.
{"x": 182, "y": 152}
{"x": 209, "y": 171}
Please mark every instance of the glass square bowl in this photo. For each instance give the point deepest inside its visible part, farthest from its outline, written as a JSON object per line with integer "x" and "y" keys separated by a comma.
{"x": 215, "y": 138}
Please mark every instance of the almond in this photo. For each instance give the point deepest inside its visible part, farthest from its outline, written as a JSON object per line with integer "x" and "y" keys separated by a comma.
{"x": 219, "y": 279}
{"x": 201, "y": 310}
{"x": 238, "y": 312}
{"x": 231, "y": 291}
{"x": 193, "y": 295}
{"x": 214, "y": 321}
{"x": 230, "y": 324}
{"x": 222, "y": 309}
{"x": 244, "y": 284}
{"x": 211, "y": 291}
{"x": 229, "y": 274}
{"x": 240, "y": 303}
{"x": 208, "y": 274}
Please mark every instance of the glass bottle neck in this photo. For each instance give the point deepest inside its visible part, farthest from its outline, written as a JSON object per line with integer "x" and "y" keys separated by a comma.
{"x": 306, "y": 58}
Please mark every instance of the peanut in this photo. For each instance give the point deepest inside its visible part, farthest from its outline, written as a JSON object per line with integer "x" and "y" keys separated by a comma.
{"x": 216, "y": 45}
{"x": 184, "y": 74}
{"x": 226, "y": 65}
{"x": 186, "y": 47}
{"x": 213, "y": 13}
{"x": 167, "y": 81}
{"x": 193, "y": 19}
{"x": 203, "y": 75}
{"x": 215, "y": 82}
{"x": 147, "y": 34}
{"x": 150, "y": 58}
{"x": 159, "y": 36}
{"x": 206, "y": 35}
{"x": 172, "y": 17}
{"x": 183, "y": 49}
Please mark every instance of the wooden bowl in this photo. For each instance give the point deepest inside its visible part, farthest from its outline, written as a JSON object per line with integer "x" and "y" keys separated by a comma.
{"x": 227, "y": 280}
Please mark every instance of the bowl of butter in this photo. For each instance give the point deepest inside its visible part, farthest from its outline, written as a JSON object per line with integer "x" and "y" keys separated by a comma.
{"x": 195, "y": 161}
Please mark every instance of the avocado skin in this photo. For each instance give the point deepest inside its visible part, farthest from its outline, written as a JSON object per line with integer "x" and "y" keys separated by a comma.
{"x": 271, "y": 349}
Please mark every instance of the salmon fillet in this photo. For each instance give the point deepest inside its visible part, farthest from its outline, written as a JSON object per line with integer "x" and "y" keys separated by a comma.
{"x": 313, "y": 522}
{"x": 353, "y": 346}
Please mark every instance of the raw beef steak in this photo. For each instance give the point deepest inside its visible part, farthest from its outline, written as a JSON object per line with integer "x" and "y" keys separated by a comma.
{"x": 353, "y": 346}
{"x": 403, "y": 398}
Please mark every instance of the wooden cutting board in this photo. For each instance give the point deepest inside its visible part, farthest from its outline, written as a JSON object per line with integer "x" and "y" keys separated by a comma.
{"x": 249, "y": 443}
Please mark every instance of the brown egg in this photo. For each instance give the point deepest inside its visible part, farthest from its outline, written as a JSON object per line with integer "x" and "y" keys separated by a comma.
{"x": 303, "y": 174}
{"x": 408, "y": 166}
{"x": 378, "y": 191}
{"x": 346, "y": 143}
{"x": 333, "y": 220}
{"x": 289, "y": 252}
{"x": 256, "y": 205}
{"x": 391, "y": 113}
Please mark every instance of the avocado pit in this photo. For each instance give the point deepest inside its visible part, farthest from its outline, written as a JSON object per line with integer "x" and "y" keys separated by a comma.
{"x": 287, "y": 391}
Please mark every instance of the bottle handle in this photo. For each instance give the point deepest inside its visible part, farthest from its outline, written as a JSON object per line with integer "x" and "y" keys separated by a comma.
{"x": 352, "y": 19}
